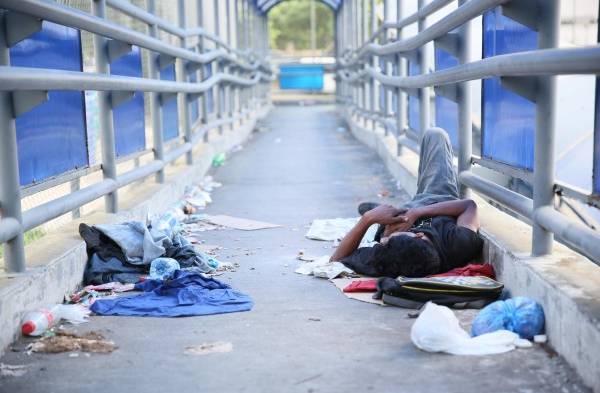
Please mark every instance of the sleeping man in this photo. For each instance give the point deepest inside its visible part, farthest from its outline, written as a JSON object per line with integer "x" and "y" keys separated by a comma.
{"x": 433, "y": 233}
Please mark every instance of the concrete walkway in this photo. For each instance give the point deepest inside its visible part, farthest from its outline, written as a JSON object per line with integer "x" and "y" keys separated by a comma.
{"x": 303, "y": 335}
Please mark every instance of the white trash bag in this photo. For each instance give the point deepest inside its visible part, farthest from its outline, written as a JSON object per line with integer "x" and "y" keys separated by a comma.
{"x": 437, "y": 330}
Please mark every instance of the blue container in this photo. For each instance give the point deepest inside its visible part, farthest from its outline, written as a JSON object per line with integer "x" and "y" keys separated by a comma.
{"x": 301, "y": 77}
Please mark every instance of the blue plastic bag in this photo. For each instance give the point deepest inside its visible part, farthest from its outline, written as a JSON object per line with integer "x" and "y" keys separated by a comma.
{"x": 520, "y": 315}
{"x": 161, "y": 268}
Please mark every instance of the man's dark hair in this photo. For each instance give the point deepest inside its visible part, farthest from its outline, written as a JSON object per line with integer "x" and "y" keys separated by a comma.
{"x": 406, "y": 256}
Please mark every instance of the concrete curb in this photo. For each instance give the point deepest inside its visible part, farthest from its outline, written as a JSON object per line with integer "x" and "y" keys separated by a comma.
{"x": 565, "y": 284}
{"x": 56, "y": 262}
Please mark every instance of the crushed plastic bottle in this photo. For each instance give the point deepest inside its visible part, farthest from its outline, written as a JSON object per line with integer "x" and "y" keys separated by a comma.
{"x": 161, "y": 268}
{"x": 218, "y": 160}
{"x": 35, "y": 323}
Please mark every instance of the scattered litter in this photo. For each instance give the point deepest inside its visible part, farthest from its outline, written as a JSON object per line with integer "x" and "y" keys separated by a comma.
{"x": 308, "y": 380}
{"x": 207, "y": 348}
{"x": 384, "y": 193}
{"x": 161, "y": 268}
{"x": 219, "y": 160}
{"x": 366, "y": 297}
{"x": 336, "y": 228}
{"x": 35, "y": 323}
{"x": 74, "y": 355}
{"x": 438, "y": 330}
{"x": 238, "y": 223}
{"x": 322, "y": 268}
{"x": 521, "y": 315}
{"x": 413, "y": 314}
{"x": 540, "y": 339}
{"x": 64, "y": 341}
{"x": 306, "y": 258}
{"x": 12, "y": 370}
{"x": 210, "y": 249}
{"x": 314, "y": 319}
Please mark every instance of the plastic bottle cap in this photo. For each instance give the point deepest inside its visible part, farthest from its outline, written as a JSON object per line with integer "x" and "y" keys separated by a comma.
{"x": 27, "y": 328}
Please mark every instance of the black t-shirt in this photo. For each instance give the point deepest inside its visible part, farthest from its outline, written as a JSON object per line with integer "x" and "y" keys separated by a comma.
{"x": 455, "y": 245}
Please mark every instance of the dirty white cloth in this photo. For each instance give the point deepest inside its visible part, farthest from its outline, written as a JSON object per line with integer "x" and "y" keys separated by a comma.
{"x": 334, "y": 229}
{"x": 322, "y": 268}
{"x": 437, "y": 330}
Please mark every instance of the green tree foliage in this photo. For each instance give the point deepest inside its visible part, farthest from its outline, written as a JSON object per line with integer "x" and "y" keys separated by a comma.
{"x": 289, "y": 23}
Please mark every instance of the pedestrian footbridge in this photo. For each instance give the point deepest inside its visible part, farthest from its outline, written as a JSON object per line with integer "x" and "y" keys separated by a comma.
{"x": 111, "y": 109}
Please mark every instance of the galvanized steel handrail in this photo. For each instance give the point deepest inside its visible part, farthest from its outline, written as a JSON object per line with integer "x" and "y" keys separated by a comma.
{"x": 357, "y": 72}
{"x": 240, "y": 69}
{"x": 71, "y": 17}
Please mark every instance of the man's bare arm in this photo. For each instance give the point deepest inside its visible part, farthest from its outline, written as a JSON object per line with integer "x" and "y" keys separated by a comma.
{"x": 465, "y": 211}
{"x": 384, "y": 214}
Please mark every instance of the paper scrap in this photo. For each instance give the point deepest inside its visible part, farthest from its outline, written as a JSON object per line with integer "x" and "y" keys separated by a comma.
{"x": 206, "y": 348}
{"x": 366, "y": 297}
{"x": 239, "y": 223}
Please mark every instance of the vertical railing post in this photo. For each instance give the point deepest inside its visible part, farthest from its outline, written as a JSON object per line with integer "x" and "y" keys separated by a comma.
{"x": 155, "y": 102}
{"x": 217, "y": 69}
{"x": 204, "y": 96}
{"x": 107, "y": 132}
{"x": 227, "y": 91}
{"x": 424, "y": 66}
{"x": 375, "y": 64}
{"x": 387, "y": 93}
{"x": 465, "y": 128}
{"x": 402, "y": 109}
{"x": 548, "y": 21}
{"x": 182, "y": 76}
{"x": 10, "y": 186}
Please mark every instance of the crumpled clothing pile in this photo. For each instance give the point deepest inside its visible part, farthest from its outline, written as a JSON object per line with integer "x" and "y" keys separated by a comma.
{"x": 123, "y": 252}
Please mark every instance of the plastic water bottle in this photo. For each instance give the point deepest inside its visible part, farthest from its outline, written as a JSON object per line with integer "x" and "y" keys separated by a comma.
{"x": 37, "y": 322}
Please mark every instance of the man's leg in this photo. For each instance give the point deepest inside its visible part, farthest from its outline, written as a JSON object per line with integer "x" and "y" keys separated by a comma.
{"x": 436, "y": 173}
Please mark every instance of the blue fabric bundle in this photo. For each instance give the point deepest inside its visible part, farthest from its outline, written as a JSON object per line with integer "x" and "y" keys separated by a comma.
{"x": 520, "y": 315}
{"x": 183, "y": 294}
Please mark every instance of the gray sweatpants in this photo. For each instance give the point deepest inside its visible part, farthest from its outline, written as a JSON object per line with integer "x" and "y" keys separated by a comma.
{"x": 436, "y": 180}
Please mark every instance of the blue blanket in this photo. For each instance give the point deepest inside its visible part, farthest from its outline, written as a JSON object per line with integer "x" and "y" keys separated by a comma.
{"x": 183, "y": 294}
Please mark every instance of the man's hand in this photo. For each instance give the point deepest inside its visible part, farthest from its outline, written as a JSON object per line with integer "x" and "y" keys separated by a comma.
{"x": 410, "y": 217}
{"x": 385, "y": 215}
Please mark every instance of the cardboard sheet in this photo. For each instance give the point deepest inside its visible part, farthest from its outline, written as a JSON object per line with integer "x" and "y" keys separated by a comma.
{"x": 366, "y": 297}
{"x": 238, "y": 223}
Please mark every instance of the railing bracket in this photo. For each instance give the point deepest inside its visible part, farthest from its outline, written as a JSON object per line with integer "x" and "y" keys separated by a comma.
{"x": 449, "y": 42}
{"x": 20, "y": 26}
{"x": 525, "y": 86}
{"x": 116, "y": 98}
{"x": 116, "y": 49}
{"x": 526, "y": 12}
{"x": 25, "y": 100}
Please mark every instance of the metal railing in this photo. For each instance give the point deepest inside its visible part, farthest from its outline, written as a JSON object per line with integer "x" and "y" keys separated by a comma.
{"x": 530, "y": 74}
{"x": 241, "y": 82}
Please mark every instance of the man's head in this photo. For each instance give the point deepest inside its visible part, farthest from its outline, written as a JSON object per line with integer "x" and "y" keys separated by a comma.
{"x": 406, "y": 254}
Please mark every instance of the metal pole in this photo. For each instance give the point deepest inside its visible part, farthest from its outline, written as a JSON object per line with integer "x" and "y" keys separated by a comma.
{"x": 465, "y": 128}
{"x": 107, "y": 132}
{"x": 425, "y": 92}
{"x": 217, "y": 68}
{"x": 155, "y": 104}
{"x": 402, "y": 110}
{"x": 181, "y": 76}
{"x": 387, "y": 101}
{"x": 548, "y": 20}
{"x": 201, "y": 47}
{"x": 227, "y": 88}
{"x": 10, "y": 187}
{"x": 375, "y": 64}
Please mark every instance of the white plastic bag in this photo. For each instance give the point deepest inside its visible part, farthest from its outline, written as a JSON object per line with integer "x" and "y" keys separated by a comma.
{"x": 437, "y": 330}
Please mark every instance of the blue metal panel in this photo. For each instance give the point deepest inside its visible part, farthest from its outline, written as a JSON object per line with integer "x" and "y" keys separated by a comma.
{"x": 170, "y": 121}
{"x": 51, "y": 138}
{"x": 193, "y": 104}
{"x": 596, "y": 175}
{"x": 128, "y": 117}
{"x": 508, "y": 119}
{"x": 446, "y": 111}
{"x": 210, "y": 103}
{"x": 413, "y": 102}
{"x": 301, "y": 77}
